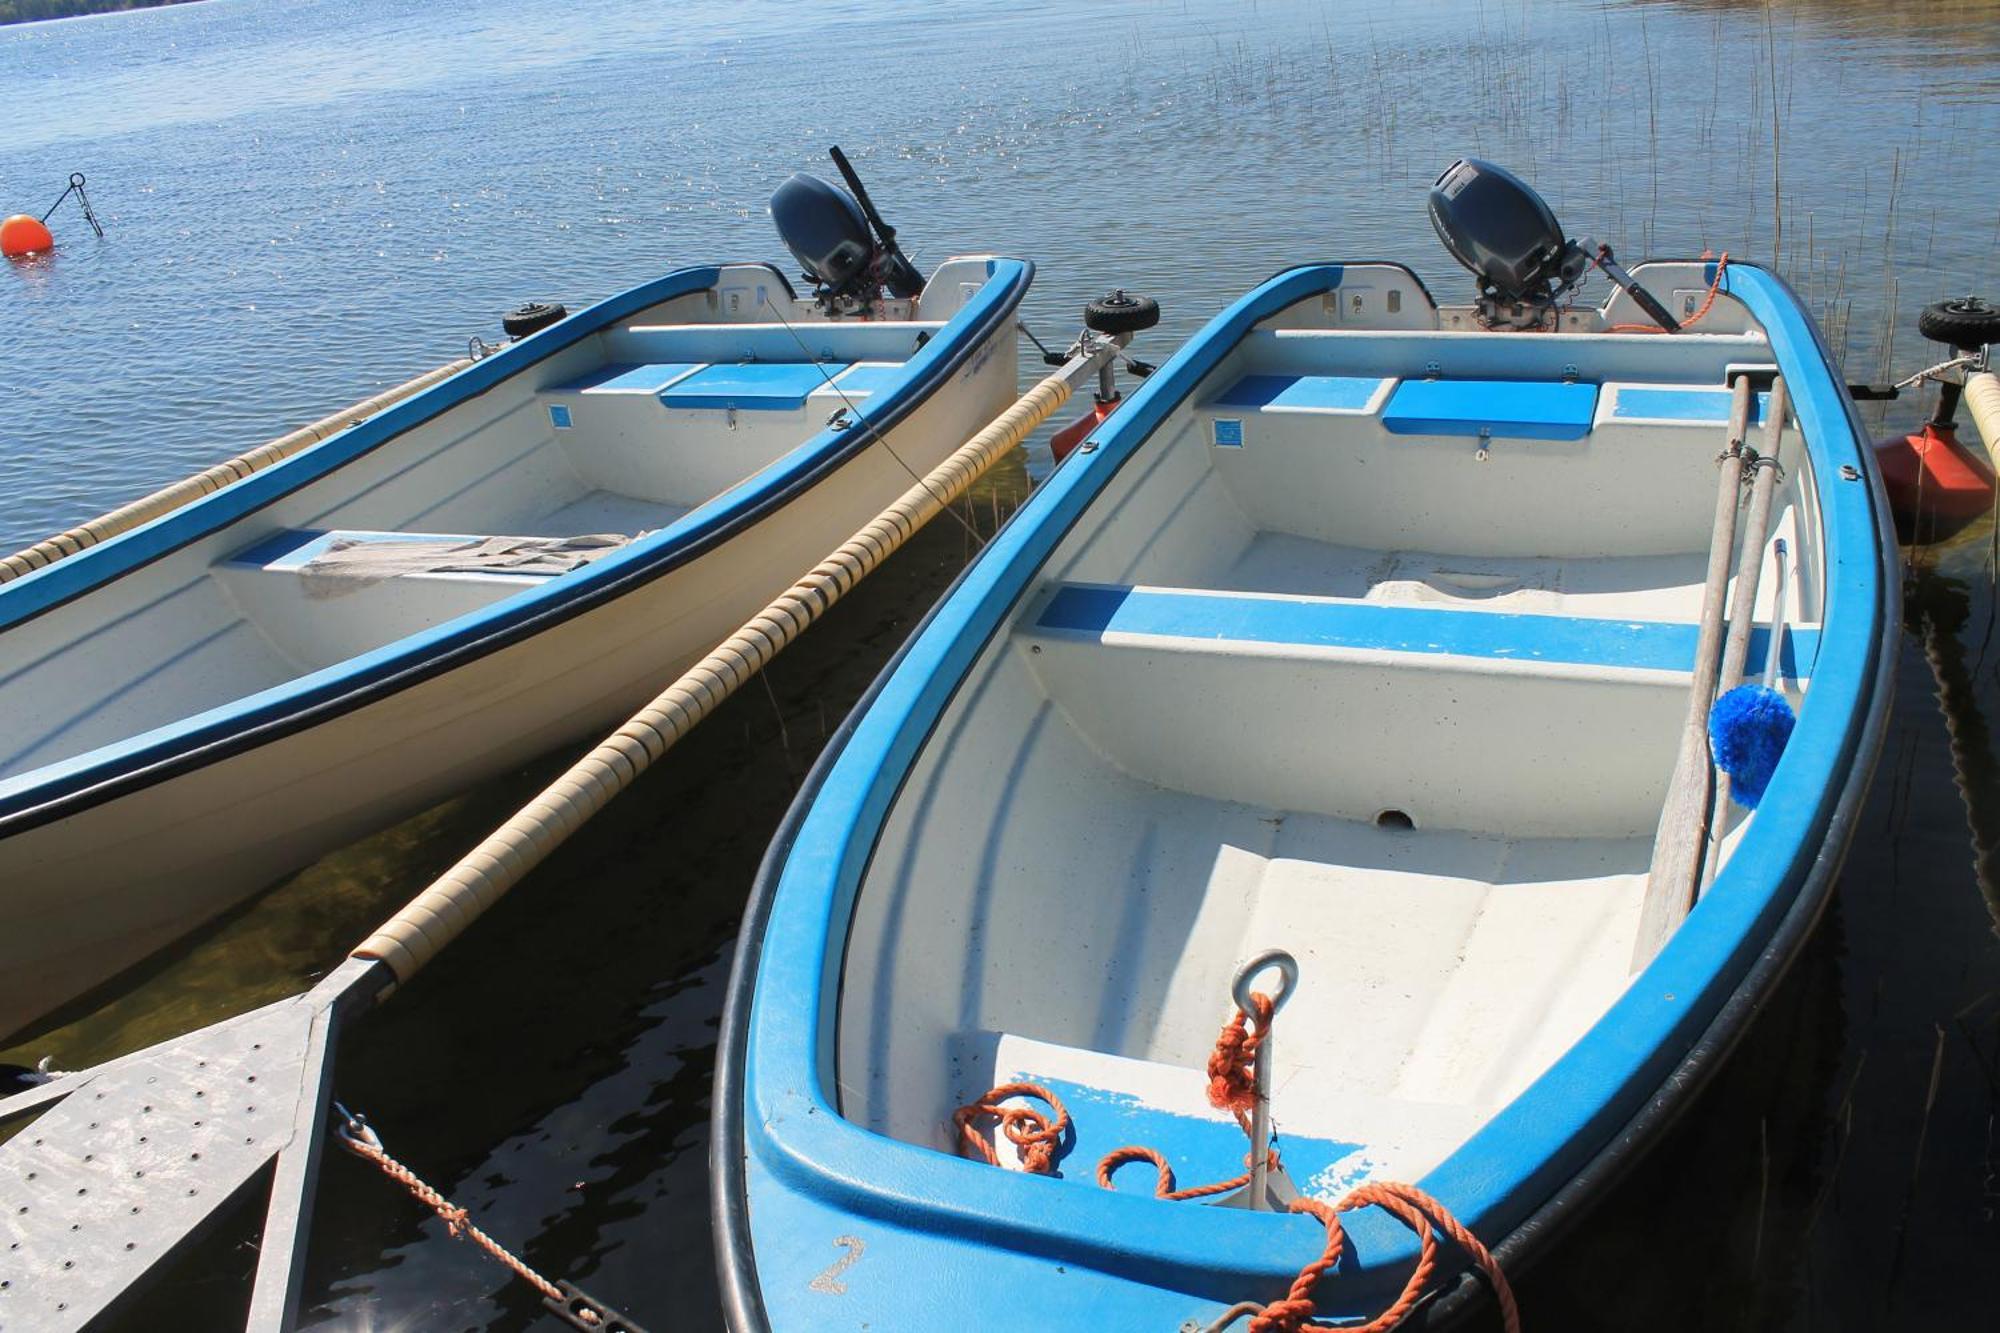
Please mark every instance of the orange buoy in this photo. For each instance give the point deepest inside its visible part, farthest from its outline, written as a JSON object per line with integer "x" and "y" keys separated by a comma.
{"x": 24, "y": 235}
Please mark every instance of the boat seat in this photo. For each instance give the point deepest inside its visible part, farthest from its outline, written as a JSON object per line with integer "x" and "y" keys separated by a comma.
{"x": 1115, "y": 1101}
{"x": 1672, "y": 405}
{"x": 639, "y": 400}
{"x": 624, "y": 379}
{"x": 1343, "y": 395}
{"x": 1498, "y": 409}
{"x": 537, "y": 558}
{"x": 1198, "y": 619}
{"x": 1347, "y": 708}
{"x": 321, "y": 616}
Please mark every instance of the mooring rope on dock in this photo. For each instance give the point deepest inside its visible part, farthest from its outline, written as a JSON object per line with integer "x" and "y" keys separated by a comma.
{"x": 207, "y": 482}
{"x": 359, "y": 1138}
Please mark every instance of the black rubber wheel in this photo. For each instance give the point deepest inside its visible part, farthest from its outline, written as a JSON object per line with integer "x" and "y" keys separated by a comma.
{"x": 1967, "y": 323}
{"x": 1121, "y": 313}
{"x": 523, "y": 321}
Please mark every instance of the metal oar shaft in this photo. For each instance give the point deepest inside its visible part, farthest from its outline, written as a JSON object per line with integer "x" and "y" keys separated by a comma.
{"x": 455, "y": 899}
{"x": 1677, "y": 850}
{"x": 1756, "y": 527}
{"x": 1743, "y": 608}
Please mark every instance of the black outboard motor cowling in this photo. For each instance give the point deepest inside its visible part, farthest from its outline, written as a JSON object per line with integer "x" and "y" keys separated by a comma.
{"x": 824, "y": 229}
{"x": 848, "y": 252}
{"x": 1498, "y": 227}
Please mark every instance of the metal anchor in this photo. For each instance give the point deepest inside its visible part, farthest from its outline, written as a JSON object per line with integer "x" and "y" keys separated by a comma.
{"x": 1268, "y": 1191}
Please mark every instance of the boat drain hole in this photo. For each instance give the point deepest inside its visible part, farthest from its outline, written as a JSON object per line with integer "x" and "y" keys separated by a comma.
{"x": 1395, "y": 819}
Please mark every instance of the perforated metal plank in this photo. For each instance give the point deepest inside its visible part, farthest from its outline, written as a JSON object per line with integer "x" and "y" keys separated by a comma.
{"x": 113, "y": 1178}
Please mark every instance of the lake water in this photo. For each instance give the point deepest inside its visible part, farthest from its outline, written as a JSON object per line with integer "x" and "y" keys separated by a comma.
{"x": 308, "y": 202}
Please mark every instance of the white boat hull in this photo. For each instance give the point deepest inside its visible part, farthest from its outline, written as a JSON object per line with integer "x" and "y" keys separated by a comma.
{"x": 92, "y": 893}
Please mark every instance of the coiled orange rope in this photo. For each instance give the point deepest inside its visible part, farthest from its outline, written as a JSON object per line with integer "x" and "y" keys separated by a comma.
{"x": 1034, "y": 1135}
{"x": 1038, "y": 1136}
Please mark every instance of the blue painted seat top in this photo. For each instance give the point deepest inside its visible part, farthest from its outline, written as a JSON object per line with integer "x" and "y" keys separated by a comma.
{"x": 1505, "y": 409}
{"x": 1222, "y": 617}
{"x": 629, "y": 378}
{"x": 867, "y": 377}
{"x": 753, "y": 386}
{"x": 1300, "y": 393}
{"x": 1703, "y": 406}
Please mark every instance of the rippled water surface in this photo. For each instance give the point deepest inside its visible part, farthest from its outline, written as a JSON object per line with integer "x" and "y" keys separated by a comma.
{"x": 307, "y": 202}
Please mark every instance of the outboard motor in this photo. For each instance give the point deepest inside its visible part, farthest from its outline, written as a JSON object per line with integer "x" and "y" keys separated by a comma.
{"x": 1504, "y": 232}
{"x": 848, "y": 252}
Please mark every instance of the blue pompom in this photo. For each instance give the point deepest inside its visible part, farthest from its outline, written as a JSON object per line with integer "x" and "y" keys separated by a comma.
{"x": 1748, "y": 729}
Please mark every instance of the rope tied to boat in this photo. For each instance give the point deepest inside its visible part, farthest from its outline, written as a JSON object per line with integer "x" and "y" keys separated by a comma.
{"x": 1038, "y": 1138}
{"x": 1419, "y": 1211}
{"x": 1232, "y": 1065}
{"x": 1035, "y": 1136}
{"x": 360, "y": 1139}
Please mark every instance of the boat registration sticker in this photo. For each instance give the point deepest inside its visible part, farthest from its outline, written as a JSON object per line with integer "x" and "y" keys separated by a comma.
{"x": 559, "y": 416}
{"x": 1228, "y": 433}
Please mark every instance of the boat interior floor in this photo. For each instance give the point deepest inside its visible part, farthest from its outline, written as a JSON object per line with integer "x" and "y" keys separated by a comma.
{"x": 603, "y": 512}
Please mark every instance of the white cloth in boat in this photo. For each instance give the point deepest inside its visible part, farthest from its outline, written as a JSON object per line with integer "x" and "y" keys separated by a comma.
{"x": 349, "y": 564}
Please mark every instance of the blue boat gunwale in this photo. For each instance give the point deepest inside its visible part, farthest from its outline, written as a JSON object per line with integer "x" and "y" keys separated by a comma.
{"x": 65, "y": 787}
{"x": 1687, "y": 1006}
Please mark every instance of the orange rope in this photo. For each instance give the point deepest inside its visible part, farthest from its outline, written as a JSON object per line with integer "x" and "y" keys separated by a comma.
{"x": 1714, "y": 286}
{"x": 1163, "y": 1186}
{"x": 1034, "y": 1136}
{"x": 1232, "y": 1087}
{"x": 1232, "y": 1081}
{"x": 455, "y": 1219}
{"x": 1418, "y": 1211}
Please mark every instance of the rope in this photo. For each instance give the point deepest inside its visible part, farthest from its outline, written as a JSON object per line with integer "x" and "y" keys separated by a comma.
{"x": 1232, "y": 1076}
{"x": 1034, "y": 1135}
{"x": 455, "y": 899}
{"x": 1714, "y": 286}
{"x": 363, "y": 1143}
{"x": 166, "y": 500}
{"x": 1417, "y": 1210}
{"x": 1163, "y": 1185}
{"x": 1037, "y": 1137}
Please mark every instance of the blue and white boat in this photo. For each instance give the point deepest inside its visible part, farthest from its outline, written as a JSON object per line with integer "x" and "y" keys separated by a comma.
{"x": 504, "y": 563}
{"x": 1366, "y": 632}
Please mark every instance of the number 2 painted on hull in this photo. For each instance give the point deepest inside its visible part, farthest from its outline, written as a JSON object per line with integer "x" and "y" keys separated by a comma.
{"x": 829, "y": 1281}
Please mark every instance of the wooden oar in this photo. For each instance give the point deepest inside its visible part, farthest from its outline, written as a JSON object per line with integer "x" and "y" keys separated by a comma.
{"x": 129, "y": 1159}
{"x": 1677, "y": 848}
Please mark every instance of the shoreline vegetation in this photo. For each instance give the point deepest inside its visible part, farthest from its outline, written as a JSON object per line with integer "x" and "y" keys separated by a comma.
{"x": 34, "y": 11}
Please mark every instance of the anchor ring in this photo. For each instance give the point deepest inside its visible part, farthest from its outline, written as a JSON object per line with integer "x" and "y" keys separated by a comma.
{"x": 1288, "y": 974}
